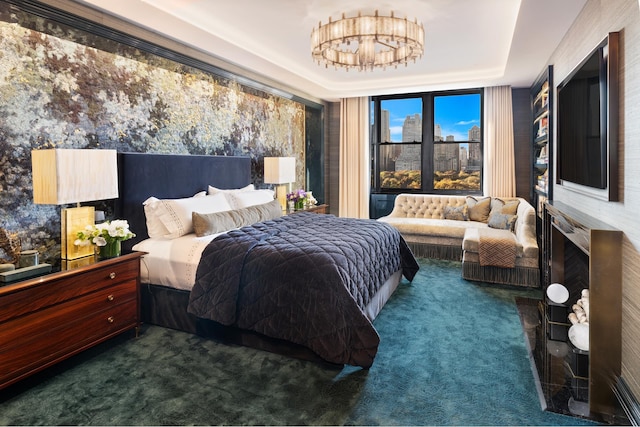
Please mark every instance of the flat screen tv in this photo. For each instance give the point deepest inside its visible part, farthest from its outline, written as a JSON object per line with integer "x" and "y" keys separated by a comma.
{"x": 587, "y": 121}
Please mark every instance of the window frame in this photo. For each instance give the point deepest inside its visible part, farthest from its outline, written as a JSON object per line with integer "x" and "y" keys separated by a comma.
{"x": 427, "y": 145}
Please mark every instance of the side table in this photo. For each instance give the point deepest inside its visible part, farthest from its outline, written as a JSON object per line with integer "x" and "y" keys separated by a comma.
{"x": 319, "y": 209}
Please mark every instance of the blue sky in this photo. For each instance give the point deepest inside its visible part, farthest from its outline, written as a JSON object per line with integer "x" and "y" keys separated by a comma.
{"x": 455, "y": 114}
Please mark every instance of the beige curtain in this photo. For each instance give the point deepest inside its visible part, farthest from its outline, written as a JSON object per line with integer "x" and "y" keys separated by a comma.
{"x": 354, "y": 158}
{"x": 499, "y": 170}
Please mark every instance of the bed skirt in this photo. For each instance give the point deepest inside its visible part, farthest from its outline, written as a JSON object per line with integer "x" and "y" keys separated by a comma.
{"x": 167, "y": 307}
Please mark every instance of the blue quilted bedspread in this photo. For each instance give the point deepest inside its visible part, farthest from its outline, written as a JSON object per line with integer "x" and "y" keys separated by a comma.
{"x": 304, "y": 278}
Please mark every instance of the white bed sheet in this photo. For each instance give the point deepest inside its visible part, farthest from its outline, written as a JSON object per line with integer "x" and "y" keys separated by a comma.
{"x": 174, "y": 262}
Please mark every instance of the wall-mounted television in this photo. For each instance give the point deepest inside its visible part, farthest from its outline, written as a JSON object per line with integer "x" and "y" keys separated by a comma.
{"x": 587, "y": 125}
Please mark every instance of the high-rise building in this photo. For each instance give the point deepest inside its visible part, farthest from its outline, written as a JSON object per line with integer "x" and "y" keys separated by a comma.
{"x": 385, "y": 128}
{"x": 387, "y": 154}
{"x": 437, "y": 133}
{"x": 464, "y": 158}
{"x": 446, "y": 157}
{"x": 410, "y": 157}
{"x": 412, "y": 128}
{"x": 474, "y": 133}
{"x": 475, "y": 157}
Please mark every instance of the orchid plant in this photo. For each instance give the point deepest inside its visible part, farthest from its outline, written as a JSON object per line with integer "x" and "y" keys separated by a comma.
{"x": 297, "y": 196}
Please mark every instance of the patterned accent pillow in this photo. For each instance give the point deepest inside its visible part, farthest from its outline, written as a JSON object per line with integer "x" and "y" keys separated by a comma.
{"x": 502, "y": 221}
{"x": 459, "y": 213}
{"x": 479, "y": 208}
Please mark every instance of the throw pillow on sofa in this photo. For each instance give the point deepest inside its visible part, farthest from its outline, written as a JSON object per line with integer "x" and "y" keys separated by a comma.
{"x": 502, "y": 221}
{"x": 459, "y": 213}
{"x": 479, "y": 208}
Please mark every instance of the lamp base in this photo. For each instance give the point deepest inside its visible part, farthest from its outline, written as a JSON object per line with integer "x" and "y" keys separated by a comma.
{"x": 281, "y": 195}
{"x": 73, "y": 220}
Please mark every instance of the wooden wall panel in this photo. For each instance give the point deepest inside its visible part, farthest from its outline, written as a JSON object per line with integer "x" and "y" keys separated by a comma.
{"x": 522, "y": 141}
{"x": 333, "y": 156}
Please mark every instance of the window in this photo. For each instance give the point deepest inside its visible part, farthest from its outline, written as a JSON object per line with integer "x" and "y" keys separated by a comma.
{"x": 439, "y": 154}
{"x": 400, "y": 148}
{"x": 457, "y": 142}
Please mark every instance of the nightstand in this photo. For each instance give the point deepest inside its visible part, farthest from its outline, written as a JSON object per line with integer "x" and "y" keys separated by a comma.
{"x": 47, "y": 319}
{"x": 320, "y": 209}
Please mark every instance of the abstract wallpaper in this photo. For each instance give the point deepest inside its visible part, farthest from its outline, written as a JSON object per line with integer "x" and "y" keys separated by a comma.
{"x": 66, "y": 88}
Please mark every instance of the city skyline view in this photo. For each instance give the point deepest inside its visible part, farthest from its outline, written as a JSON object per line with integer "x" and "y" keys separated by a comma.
{"x": 456, "y": 118}
{"x": 455, "y": 115}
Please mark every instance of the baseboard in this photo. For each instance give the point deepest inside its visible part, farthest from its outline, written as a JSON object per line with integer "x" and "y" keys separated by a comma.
{"x": 628, "y": 401}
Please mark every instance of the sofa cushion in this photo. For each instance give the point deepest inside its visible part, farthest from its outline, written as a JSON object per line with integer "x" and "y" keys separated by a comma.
{"x": 479, "y": 208}
{"x": 432, "y": 227}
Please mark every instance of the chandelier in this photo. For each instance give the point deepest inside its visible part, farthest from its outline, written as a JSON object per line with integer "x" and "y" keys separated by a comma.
{"x": 365, "y": 42}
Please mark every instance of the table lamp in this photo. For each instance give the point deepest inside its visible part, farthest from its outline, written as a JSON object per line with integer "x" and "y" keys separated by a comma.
{"x": 65, "y": 176}
{"x": 280, "y": 171}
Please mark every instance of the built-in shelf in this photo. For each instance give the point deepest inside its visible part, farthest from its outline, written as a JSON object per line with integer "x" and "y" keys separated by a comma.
{"x": 542, "y": 113}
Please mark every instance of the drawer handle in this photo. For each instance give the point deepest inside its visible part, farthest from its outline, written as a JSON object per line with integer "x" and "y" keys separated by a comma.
{"x": 112, "y": 275}
{"x": 110, "y": 297}
{"x": 110, "y": 319}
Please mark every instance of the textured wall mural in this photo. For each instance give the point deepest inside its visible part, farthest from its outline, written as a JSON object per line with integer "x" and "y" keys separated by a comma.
{"x": 64, "y": 88}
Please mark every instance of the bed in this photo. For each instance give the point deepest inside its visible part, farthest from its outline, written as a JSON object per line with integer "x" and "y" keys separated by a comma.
{"x": 182, "y": 278}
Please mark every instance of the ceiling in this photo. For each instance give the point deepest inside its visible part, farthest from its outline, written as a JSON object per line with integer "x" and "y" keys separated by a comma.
{"x": 468, "y": 43}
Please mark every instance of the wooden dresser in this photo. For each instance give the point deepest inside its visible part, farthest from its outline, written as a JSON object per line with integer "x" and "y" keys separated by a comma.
{"x": 46, "y": 319}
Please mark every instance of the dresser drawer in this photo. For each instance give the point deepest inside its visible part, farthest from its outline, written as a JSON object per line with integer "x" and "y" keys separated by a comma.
{"x": 65, "y": 287}
{"x": 28, "y": 353}
{"x": 15, "y": 332}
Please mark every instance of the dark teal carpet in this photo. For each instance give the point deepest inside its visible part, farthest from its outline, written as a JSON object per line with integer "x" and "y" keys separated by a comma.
{"x": 452, "y": 353}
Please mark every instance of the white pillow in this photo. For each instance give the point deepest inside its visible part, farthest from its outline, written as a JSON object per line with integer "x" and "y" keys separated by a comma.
{"x": 155, "y": 227}
{"x": 244, "y": 199}
{"x": 214, "y": 190}
{"x": 171, "y": 218}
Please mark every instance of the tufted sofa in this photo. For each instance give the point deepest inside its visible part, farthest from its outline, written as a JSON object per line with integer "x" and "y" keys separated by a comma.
{"x": 426, "y": 223}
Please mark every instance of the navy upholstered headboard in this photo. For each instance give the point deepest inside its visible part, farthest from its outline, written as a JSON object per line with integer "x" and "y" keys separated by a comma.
{"x": 170, "y": 176}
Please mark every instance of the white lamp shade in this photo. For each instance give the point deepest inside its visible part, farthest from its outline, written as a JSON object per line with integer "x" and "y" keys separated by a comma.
{"x": 62, "y": 176}
{"x": 279, "y": 170}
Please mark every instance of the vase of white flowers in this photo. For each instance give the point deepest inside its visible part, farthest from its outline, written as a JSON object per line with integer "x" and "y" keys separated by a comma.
{"x": 110, "y": 250}
{"x": 106, "y": 236}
